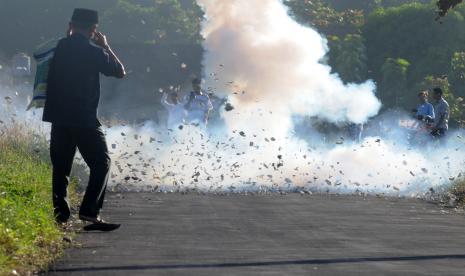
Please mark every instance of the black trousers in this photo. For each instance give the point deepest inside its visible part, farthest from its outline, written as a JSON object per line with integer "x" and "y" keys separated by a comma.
{"x": 439, "y": 133}
{"x": 93, "y": 148}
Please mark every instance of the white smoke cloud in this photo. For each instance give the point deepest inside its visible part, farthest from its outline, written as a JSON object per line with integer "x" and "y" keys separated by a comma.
{"x": 269, "y": 68}
{"x": 13, "y": 102}
{"x": 147, "y": 158}
{"x": 262, "y": 59}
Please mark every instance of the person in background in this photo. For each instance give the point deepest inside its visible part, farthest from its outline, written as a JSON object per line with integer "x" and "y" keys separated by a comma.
{"x": 198, "y": 105}
{"x": 425, "y": 110}
{"x": 175, "y": 108}
{"x": 441, "y": 107}
{"x": 355, "y": 132}
{"x": 214, "y": 117}
{"x": 73, "y": 93}
{"x": 21, "y": 65}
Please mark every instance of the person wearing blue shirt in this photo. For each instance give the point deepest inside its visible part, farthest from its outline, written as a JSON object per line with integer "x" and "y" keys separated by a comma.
{"x": 425, "y": 111}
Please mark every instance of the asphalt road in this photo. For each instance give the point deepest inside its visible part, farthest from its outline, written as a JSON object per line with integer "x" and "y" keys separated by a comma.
{"x": 192, "y": 234}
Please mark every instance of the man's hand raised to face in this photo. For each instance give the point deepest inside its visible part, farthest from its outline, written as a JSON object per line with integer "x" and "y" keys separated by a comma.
{"x": 101, "y": 40}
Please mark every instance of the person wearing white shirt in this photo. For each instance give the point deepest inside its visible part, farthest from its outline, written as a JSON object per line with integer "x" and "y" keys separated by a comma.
{"x": 442, "y": 110}
{"x": 198, "y": 105}
{"x": 175, "y": 108}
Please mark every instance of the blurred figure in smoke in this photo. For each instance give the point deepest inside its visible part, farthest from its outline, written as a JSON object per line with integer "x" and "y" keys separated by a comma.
{"x": 198, "y": 105}
{"x": 214, "y": 117}
{"x": 176, "y": 112}
{"x": 420, "y": 129}
{"x": 441, "y": 122}
{"x": 425, "y": 110}
{"x": 355, "y": 132}
{"x": 73, "y": 94}
{"x": 21, "y": 65}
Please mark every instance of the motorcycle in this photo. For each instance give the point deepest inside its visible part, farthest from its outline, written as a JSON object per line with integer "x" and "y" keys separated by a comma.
{"x": 418, "y": 130}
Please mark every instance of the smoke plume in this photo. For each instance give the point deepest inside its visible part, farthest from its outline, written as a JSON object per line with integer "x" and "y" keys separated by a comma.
{"x": 265, "y": 62}
{"x": 270, "y": 68}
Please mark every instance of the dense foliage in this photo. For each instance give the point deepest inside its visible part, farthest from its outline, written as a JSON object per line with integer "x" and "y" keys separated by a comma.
{"x": 348, "y": 57}
{"x": 126, "y": 21}
{"x": 158, "y": 21}
{"x": 395, "y": 42}
{"x": 445, "y": 5}
{"x": 322, "y": 16}
{"x": 431, "y": 50}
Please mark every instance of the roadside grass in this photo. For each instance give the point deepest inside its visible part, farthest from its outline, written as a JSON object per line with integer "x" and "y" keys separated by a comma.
{"x": 458, "y": 190}
{"x": 29, "y": 237}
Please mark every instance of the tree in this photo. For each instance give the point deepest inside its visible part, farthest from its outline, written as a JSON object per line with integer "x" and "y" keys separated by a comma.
{"x": 154, "y": 22}
{"x": 348, "y": 58}
{"x": 408, "y": 31}
{"x": 369, "y": 5}
{"x": 393, "y": 87}
{"x": 27, "y": 23}
{"x": 445, "y": 5}
{"x": 457, "y": 73}
{"x": 319, "y": 14}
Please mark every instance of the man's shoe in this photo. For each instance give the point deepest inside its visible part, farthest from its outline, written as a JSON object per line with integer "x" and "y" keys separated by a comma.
{"x": 105, "y": 227}
{"x": 98, "y": 224}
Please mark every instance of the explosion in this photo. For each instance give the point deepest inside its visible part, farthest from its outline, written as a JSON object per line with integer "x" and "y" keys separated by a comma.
{"x": 271, "y": 69}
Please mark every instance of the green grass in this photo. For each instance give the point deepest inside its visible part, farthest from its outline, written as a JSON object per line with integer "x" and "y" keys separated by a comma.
{"x": 29, "y": 238}
{"x": 458, "y": 190}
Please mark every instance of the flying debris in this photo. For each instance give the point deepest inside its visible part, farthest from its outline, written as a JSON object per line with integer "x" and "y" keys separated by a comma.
{"x": 228, "y": 107}
{"x": 265, "y": 121}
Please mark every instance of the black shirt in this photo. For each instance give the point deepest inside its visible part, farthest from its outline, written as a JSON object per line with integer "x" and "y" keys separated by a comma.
{"x": 73, "y": 88}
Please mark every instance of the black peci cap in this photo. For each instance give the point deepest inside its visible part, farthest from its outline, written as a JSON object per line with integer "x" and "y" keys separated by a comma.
{"x": 85, "y": 16}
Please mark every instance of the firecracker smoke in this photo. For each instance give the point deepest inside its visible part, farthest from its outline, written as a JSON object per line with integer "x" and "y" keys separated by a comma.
{"x": 270, "y": 70}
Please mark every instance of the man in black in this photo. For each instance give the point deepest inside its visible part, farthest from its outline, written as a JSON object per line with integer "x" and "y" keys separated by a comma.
{"x": 73, "y": 93}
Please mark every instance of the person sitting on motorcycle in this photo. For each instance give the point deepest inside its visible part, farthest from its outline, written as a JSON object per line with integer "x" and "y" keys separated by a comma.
{"x": 425, "y": 110}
